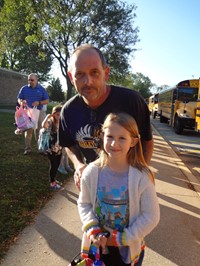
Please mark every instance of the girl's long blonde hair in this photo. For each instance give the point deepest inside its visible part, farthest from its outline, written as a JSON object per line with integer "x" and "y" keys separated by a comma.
{"x": 135, "y": 155}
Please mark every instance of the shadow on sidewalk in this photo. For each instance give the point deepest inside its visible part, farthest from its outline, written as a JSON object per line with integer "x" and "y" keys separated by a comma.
{"x": 177, "y": 237}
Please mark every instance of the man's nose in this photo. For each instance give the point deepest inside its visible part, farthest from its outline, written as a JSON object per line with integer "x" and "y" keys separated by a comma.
{"x": 87, "y": 79}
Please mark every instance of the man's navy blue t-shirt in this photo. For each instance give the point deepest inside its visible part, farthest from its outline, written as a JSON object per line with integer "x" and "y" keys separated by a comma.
{"x": 80, "y": 125}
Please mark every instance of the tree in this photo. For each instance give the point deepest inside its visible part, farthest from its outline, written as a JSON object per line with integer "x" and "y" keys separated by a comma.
{"x": 162, "y": 88}
{"x": 63, "y": 25}
{"x": 142, "y": 84}
{"x": 15, "y": 53}
{"x": 55, "y": 91}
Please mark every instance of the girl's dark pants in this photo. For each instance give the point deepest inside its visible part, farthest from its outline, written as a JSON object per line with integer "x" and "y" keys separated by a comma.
{"x": 54, "y": 159}
{"x": 114, "y": 258}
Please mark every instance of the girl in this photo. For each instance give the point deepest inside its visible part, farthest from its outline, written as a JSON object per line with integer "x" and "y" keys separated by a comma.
{"x": 51, "y": 122}
{"x": 118, "y": 195}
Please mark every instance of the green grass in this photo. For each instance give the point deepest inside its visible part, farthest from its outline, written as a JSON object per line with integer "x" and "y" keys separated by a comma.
{"x": 24, "y": 186}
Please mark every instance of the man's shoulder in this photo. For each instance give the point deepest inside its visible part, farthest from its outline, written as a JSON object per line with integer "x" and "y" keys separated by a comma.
{"x": 72, "y": 102}
{"x": 124, "y": 94}
{"x": 25, "y": 87}
{"x": 39, "y": 86}
{"x": 123, "y": 90}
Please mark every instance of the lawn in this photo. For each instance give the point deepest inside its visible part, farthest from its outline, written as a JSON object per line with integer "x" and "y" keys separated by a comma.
{"x": 24, "y": 183}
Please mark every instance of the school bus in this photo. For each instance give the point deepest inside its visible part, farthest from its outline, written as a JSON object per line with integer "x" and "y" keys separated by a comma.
{"x": 197, "y": 120}
{"x": 178, "y": 105}
{"x": 153, "y": 105}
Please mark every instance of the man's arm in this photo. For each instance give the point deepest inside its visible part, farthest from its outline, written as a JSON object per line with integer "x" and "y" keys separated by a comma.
{"x": 43, "y": 102}
{"x": 75, "y": 156}
{"x": 147, "y": 150}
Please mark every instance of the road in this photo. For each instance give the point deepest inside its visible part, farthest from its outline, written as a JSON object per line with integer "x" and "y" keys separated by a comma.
{"x": 187, "y": 145}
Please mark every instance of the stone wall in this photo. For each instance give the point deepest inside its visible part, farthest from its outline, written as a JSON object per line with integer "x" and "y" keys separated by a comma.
{"x": 10, "y": 84}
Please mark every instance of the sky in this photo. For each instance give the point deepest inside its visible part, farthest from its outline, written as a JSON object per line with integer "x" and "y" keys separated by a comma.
{"x": 169, "y": 47}
{"x": 169, "y": 33}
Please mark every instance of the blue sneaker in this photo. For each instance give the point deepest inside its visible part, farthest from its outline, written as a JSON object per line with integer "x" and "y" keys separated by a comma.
{"x": 69, "y": 169}
{"x": 62, "y": 170}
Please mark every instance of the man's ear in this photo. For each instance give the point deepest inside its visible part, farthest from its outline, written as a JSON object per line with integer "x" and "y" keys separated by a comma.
{"x": 107, "y": 72}
{"x": 70, "y": 77}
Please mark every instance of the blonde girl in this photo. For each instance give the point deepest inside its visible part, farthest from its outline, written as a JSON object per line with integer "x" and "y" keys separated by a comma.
{"x": 118, "y": 195}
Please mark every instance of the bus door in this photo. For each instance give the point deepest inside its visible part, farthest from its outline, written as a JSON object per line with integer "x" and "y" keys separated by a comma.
{"x": 173, "y": 107}
{"x": 197, "y": 124}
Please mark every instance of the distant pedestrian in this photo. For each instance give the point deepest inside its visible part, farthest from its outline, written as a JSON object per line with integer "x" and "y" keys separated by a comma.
{"x": 64, "y": 167}
{"x": 33, "y": 94}
{"x": 118, "y": 195}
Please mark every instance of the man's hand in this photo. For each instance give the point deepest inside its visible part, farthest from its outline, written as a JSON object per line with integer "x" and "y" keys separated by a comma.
{"x": 77, "y": 175}
{"x": 36, "y": 103}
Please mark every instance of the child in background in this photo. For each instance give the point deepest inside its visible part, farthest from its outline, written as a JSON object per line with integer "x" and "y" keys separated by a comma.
{"x": 118, "y": 195}
{"x": 64, "y": 167}
{"x": 55, "y": 151}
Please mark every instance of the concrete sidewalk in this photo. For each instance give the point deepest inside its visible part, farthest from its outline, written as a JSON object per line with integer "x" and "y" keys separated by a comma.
{"x": 55, "y": 236}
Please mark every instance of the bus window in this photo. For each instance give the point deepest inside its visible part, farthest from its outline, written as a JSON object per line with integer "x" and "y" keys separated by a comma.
{"x": 174, "y": 95}
{"x": 186, "y": 94}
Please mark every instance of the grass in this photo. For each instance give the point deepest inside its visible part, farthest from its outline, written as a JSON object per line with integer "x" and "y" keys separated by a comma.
{"x": 24, "y": 183}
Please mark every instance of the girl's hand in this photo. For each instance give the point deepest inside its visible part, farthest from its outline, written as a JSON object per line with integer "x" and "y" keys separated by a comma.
{"x": 98, "y": 241}
{"x": 109, "y": 230}
{"x": 102, "y": 241}
{"x": 109, "y": 239}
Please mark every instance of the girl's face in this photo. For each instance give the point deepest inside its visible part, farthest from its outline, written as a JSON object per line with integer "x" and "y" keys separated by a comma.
{"x": 56, "y": 116}
{"x": 118, "y": 141}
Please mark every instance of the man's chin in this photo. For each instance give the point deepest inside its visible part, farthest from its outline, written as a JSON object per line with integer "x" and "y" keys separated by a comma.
{"x": 90, "y": 96}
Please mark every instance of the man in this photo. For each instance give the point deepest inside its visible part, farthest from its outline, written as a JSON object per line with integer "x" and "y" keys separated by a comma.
{"x": 82, "y": 115}
{"x": 33, "y": 94}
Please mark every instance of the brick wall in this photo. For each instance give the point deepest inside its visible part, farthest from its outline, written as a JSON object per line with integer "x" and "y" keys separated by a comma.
{"x": 10, "y": 84}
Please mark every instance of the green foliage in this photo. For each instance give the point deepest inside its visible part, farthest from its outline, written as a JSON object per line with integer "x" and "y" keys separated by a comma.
{"x": 55, "y": 91}
{"x": 15, "y": 53}
{"x": 24, "y": 183}
{"x": 142, "y": 84}
{"x": 61, "y": 26}
{"x": 138, "y": 82}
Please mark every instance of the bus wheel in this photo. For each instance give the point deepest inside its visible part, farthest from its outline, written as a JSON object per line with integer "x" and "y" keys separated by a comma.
{"x": 162, "y": 118}
{"x": 178, "y": 127}
{"x": 154, "y": 114}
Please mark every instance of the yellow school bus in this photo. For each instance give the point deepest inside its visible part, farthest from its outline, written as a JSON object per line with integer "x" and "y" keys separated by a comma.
{"x": 197, "y": 120}
{"x": 153, "y": 105}
{"x": 178, "y": 105}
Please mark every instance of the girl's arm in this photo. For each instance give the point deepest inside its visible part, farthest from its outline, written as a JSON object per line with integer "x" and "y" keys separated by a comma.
{"x": 86, "y": 208}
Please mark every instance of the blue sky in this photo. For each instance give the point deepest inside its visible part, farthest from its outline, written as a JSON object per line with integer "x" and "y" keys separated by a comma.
{"x": 169, "y": 47}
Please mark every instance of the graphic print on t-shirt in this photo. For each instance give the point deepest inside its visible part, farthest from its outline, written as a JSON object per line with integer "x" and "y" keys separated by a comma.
{"x": 112, "y": 206}
{"x": 88, "y": 137}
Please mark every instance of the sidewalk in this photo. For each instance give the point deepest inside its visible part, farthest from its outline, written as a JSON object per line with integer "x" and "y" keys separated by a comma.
{"x": 55, "y": 236}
